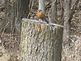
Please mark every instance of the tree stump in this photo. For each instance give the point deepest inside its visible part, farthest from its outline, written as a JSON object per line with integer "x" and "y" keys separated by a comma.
{"x": 40, "y": 41}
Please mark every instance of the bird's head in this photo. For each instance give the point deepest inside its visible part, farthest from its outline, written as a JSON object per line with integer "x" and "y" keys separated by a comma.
{"x": 39, "y": 11}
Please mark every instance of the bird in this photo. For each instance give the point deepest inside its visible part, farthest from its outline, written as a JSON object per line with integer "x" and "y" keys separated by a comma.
{"x": 40, "y": 15}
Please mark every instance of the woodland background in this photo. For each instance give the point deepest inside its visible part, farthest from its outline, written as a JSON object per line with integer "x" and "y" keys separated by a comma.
{"x": 62, "y": 12}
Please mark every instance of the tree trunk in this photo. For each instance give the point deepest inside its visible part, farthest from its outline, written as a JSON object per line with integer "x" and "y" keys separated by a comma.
{"x": 15, "y": 10}
{"x": 42, "y": 5}
{"x": 54, "y": 12}
{"x": 69, "y": 37}
{"x": 24, "y": 8}
{"x": 40, "y": 41}
{"x": 67, "y": 10}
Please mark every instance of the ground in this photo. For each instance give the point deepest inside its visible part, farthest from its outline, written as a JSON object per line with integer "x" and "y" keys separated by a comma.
{"x": 9, "y": 47}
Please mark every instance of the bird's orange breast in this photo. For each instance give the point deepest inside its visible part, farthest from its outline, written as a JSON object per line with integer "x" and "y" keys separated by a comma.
{"x": 40, "y": 15}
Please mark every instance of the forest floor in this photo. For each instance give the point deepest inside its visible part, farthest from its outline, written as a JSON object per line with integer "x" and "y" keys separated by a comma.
{"x": 9, "y": 47}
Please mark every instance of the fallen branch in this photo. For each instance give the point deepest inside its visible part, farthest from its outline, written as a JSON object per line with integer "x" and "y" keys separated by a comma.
{"x": 42, "y": 22}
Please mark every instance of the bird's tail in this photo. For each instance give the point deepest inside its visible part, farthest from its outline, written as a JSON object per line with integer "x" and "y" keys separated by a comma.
{"x": 46, "y": 20}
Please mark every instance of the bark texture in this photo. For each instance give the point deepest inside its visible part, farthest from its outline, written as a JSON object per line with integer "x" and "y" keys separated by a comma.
{"x": 72, "y": 37}
{"x": 40, "y": 41}
{"x": 54, "y": 11}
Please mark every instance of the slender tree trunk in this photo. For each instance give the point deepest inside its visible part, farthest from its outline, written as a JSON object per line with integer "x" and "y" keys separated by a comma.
{"x": 42, "y": 5}
{"x": 54, "y": 12}
{"x": 66, "y": 32}
{"x": 40, "y": 42}
{"x": 67, "y": 10}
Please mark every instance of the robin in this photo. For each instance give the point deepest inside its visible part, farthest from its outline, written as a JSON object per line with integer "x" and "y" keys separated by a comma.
{"x": 40, "y": 15}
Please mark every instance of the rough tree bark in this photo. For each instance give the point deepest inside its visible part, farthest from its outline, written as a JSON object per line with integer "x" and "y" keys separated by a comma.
{"x": 69, "y": 45}
{"x": 40, "y": 41}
